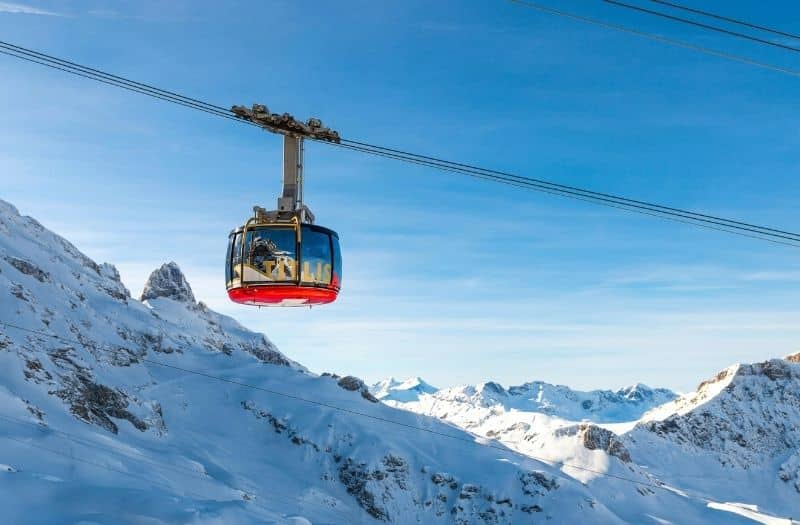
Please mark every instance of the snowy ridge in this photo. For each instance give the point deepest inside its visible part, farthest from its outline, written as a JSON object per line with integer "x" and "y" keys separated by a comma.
{"x": 402, "y": 391}
{"x": 600, "y": 406}
{"x": 95, "y": 417}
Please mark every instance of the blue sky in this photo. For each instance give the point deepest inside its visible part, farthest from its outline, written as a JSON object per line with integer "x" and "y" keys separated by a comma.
{"x": 452, "y": 279}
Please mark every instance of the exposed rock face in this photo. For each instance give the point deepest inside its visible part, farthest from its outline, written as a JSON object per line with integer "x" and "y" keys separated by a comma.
{"x": 744, "y": 416}
{"x": 596, "y": 438}
{"x": 355, "y": 384}
{"x": 98, "y": 404}
{"x": 28, "y": 268}
{"x": 593, "y": 437}
{"x": 168, "y": 281}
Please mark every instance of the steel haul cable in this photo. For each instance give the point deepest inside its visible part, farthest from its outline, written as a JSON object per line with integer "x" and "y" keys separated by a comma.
{"x": 659, "y": 38}
{"x": 564, "y": 190}
{"x": 726, "y": 19}
{"x": 702, "y": 25}
{"x": 575, "y": 197}
{"x": 665, "y": 212}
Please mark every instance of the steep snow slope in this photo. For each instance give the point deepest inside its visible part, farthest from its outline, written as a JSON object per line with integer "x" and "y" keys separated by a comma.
{"x": 105, "y": 425}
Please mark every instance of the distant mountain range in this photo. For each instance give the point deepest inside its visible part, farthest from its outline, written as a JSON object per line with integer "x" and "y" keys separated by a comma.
{"x": 625, "y": 404}
{"x": 156, "y": 409}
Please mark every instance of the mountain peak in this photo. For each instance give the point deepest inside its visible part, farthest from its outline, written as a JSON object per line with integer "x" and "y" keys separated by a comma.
{"x": 168, "y": 281}
{"x": 403, "y": 391}
{"x": 415, "y": 383}
{"x": 492, "y": 387}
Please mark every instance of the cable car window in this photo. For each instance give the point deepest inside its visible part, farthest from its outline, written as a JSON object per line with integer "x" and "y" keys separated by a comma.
{"x": 236, "y": 257}
{"x": 228, "y": 272}
{"x": 337, "y": 262}
{"x": 316, "y": 256}
{"x": 270, "y": 255}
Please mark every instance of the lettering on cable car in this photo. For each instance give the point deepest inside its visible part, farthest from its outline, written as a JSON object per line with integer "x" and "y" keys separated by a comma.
{"x": 284, "y": 269}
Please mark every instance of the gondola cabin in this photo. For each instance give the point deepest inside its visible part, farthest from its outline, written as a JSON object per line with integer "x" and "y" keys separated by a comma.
{"x": 283, "y": 264}
{"x": 280, "y": 257}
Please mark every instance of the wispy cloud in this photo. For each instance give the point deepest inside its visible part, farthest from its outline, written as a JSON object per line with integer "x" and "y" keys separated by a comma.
{"x": 22, "y": 9}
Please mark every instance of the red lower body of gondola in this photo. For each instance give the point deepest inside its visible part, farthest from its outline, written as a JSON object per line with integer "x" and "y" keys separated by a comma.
{"x": 282, "y": 295}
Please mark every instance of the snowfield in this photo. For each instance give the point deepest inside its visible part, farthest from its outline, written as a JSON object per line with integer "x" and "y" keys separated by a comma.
{"x": 118, "y": 410}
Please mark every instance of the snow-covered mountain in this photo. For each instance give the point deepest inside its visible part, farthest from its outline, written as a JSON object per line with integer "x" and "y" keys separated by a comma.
{"x": 402, "y": 391}
{"x": 740, "y": 429}
{"x": 104, "y": 421}
{"x": 736, "y": 439}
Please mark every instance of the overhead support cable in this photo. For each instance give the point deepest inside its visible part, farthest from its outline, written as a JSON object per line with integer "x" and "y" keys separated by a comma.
{"x": 113, "y": 80}
{"x": 659, "y": 38}
{"x": 575, "y": 196}
{"x": 743, "y": 23}
{"x": 260, "y": 117}
{"x": 566, "y": 189}
{"x": 702, "y": 25}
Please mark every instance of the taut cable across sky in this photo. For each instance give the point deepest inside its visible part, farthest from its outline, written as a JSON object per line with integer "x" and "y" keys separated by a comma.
{"x": 703, "y": 220}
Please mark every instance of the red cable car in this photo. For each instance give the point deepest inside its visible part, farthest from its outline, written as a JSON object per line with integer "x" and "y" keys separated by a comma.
{"x": 281, "y": 258}
{"x": 277, "y": 263}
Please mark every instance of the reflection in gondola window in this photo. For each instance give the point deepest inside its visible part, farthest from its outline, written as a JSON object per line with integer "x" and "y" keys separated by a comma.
{"x": 271, "y": 253}
{"x": 316, "y": 257}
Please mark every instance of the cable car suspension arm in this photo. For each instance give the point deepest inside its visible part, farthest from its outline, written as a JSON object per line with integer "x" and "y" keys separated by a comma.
{"x": 290, "y": 203}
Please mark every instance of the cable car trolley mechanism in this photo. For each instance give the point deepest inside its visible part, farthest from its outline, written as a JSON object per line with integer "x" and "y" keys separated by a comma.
{"x": 280, "y": 257}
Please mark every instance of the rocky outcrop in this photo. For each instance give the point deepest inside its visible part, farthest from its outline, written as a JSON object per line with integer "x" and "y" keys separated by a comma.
{"x": 98, "y": 404}
{"x": 354, "y": 384}
{"x": 169, "y": 282}
{"x": 593, "y": 437}
{"x": 596, "y": 438}
{"x": 28, "y": 268}
{"x": 743, "y": 416}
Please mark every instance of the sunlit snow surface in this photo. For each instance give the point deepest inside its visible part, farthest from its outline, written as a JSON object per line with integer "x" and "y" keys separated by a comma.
{"x": 94, "y": 430}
